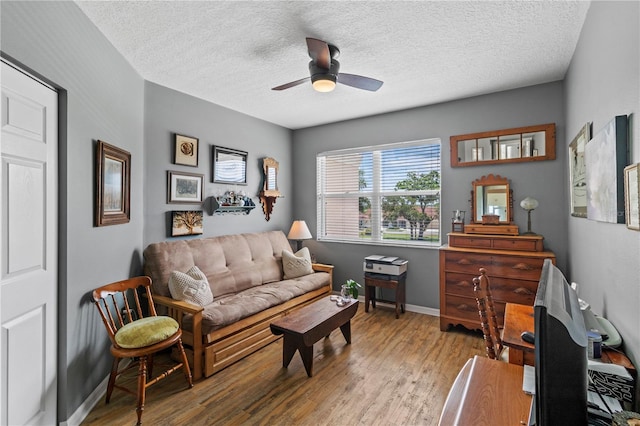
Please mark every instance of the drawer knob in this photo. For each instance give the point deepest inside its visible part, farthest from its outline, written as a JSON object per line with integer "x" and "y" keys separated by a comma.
{"x": 463, "y": 283}
{"x": 522, "y": 267}
{"x": 464, "y": 261}
{"x": 522, "y": 290}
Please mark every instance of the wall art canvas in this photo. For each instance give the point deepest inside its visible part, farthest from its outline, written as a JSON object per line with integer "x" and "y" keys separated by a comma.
{"x": 577, "y": 172}
{"x": 186, "y": 223}
{"x": 606, "y": 157}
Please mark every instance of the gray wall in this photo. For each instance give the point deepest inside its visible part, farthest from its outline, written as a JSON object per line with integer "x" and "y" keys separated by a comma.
{"x": 104, "y": 100}
{"x": 541, "y": 180}
{"x": 167, "y": 112}
{"x": 604, "y": 81}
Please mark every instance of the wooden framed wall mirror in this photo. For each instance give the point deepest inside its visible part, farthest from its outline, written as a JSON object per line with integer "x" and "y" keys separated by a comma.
{"x": 491, "y": 207}
{"x": 270, "y": 191}
{"x": 520, "y": 144}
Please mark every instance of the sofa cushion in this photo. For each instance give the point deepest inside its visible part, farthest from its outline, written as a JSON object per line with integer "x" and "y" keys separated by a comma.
{"x": 296, "y": 265}
{"x": 192, "y": 286}
{"x": 232, "y": 308}
{"x": 231, "y": 263}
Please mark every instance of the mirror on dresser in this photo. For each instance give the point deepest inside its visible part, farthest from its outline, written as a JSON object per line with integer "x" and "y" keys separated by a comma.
{"x": 491, "y": 207}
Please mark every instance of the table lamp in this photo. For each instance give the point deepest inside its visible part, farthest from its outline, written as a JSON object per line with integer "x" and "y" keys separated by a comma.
{"x": 529, "y": 204}
{"x": 298, "y": 232}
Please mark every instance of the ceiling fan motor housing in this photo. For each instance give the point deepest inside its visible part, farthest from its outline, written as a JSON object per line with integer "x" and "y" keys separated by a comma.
{"x": 319, "y": 73}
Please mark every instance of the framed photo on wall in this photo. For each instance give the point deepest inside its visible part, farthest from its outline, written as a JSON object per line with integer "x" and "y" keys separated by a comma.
{"x": 186, "y": 151}
{"x": 186, "y": 223}
{"x": 184, "y": 188}
{"x": 632, "y": 196}
{"x": 113, "y": 185}
{"x": 229, "y": 166}
{"x": 577, "y": 172}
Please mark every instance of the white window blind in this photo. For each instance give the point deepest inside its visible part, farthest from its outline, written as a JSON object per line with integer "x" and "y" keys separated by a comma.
{"x": 387, "y": 194}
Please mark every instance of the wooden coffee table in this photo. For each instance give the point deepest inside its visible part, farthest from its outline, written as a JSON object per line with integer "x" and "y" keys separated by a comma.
{"x": 304, "y": 327}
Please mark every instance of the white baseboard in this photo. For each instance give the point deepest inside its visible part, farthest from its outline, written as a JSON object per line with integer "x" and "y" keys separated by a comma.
{"x": 85, "y": 408}
{"x": 409, "y": 308}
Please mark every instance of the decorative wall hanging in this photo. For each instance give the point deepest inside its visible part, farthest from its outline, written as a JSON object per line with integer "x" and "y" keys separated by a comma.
{"x": 186, "y": 151}
{"x": 270, "y": 192}
{"x": 632, "y": 196}
{"x": 113, "y": 185}
{"x": 577, "y": 172}
{"x": 229, "y": 166}
{"x": 606, "y": 158}
{"x": 184, "y": 188}
{"x": 186, "y": 223}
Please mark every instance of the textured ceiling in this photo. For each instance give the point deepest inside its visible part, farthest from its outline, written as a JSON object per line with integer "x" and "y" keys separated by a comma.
{"x": 232, "y": 52}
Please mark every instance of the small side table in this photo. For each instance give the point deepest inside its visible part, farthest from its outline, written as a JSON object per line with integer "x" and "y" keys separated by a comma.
{"x": 394, "y": 282}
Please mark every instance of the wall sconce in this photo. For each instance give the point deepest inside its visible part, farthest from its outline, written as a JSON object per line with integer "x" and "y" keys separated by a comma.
{"x": 457, "y": 221}
{"x": 299, "y": 231}
{"x": 529, "y": 204}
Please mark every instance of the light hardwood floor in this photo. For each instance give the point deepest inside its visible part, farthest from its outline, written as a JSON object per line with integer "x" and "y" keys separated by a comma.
{"x": 395, "y": 372}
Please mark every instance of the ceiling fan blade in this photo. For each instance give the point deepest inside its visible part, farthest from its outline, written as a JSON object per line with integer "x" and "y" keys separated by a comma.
{"x": 292, "y": 84}
{"x": 360, "y": 82}
{"x": 319, "y": 52}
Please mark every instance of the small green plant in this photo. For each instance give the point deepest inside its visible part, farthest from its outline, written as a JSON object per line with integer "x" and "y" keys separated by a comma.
{"x": 353, "y": 288}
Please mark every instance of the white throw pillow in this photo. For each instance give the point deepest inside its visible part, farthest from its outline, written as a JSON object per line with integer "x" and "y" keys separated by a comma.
{"x": 192, "y": 286}
{"x": 296, "y": 265}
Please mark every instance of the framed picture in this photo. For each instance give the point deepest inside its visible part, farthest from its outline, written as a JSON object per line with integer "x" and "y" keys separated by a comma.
{"x": 113, "y": 185}
{"x": 184, "y": 188}
{"x": 186, "y": 223}
{"x": 632, "y": 196}
{"x": 577, "y": 172}
{"x": 186, "y": 151}
{"x": 229, "y": 166}
{"x": 606, "y": 158}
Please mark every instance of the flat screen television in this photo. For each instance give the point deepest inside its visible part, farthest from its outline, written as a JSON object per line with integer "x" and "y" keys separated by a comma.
{"x": 560, "y": 352}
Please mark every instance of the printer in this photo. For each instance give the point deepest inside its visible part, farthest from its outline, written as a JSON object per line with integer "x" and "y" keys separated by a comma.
{"x": 384, "y": 265}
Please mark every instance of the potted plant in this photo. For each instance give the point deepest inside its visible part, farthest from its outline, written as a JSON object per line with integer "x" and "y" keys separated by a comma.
{"x": 352, "y": 287}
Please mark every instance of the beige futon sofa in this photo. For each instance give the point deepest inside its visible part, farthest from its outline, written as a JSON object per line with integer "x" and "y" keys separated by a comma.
{"x": 245, "y": 275}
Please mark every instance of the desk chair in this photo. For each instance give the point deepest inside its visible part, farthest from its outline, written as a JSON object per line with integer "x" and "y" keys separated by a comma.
{"x": 488, "y": 318}
{"x": 137, "y": 334}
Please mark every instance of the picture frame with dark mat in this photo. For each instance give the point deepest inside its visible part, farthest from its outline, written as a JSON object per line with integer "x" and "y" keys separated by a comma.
{"x": 184, "y": 188}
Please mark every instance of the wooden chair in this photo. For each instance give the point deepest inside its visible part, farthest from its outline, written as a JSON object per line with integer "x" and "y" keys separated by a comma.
{"x": 488, "y": 317}
{"x": 138, "y": 334}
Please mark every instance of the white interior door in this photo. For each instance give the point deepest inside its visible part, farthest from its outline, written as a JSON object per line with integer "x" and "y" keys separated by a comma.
{"x": 28, "y": 281}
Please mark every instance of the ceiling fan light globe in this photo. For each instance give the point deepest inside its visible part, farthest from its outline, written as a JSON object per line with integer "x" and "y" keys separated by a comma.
{"x": 324, "y": 83}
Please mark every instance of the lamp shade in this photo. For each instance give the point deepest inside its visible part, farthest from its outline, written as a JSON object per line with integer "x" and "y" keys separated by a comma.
{"x": 299, "y": 231}
{"x": 529, "y": 203}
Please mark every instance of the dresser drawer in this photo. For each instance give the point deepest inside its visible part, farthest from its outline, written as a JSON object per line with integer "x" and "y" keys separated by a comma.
{"x": 517, "y": 244}
{"x": 513, "y": 291}
{"x": 518, "y": 267}
{"x": 467, "y": 309}
{"x": 466, "y": 262}
{"x": 470, "y": 242}
{"x": 459, "y": 284}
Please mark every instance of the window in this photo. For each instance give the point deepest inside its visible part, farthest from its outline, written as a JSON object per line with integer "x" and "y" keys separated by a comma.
{"x": 387, "y": 194}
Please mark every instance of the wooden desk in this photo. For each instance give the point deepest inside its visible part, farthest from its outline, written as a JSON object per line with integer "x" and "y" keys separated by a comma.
{"x": 487, "y": 392}
{"x": 518, "y": 318}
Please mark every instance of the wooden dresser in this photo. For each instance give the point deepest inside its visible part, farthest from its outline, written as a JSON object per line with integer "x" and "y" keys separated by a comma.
{"x": 513, "y": 263}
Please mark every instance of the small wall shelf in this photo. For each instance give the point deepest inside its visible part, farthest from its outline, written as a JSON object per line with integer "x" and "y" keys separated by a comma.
{"x": 242, "y": 206}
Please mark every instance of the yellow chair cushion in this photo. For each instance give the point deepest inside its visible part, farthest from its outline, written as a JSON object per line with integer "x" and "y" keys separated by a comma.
{"x": 146, "y": 332}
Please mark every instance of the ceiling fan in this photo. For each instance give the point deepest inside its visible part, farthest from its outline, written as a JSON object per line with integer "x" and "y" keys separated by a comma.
{"x": 324, "y": 69}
